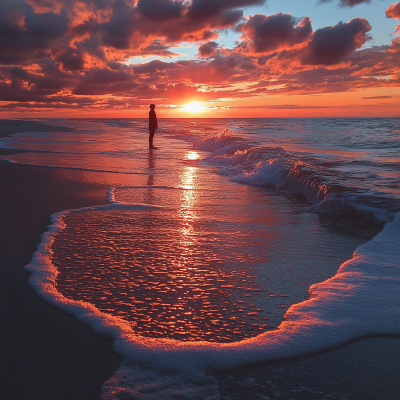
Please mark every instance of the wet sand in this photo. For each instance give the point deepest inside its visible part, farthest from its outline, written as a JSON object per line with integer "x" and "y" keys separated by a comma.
{"x": 47, "y": 354}
{"x": 365, "y": 369}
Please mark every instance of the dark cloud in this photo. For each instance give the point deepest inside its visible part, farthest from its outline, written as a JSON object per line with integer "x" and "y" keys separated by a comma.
{"x": 269, "y": 33}
{"x": 377, "y": 97}
{"x": 98, "y": 76}
{"x": 157, "y": 48}
{"x": 286, "y": 107}
{"x": 331, "y": 45}
{"x": 23, "y": 33}
{"x": 71, "y": 60}
{"x": 352, "y": 3}
{"x": 347, "y": 3}
{"x": 21, "y": 85}
{"x": 161, "y": 10}
{"x": 169, "y": 21}
{"x": 70, "y": 31}
{"x": 223, "y": 68}
{"x": 203, "y": 9}
{"x": 230, "y": 17}
{"x": 101, "y": 89}
{"x": 208, "y": 49}
{"x": 119, "y": 29}
{"x": 152, "y": 67}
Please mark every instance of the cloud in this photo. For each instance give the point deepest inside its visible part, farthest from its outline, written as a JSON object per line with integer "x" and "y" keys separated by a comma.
{"x": 347, "y": 3}
{"x": 377, "y": 97}
{"x": 203, "y": 9}
{"x": 283, "y": 107}
{"x": 157, "y": 49}
{"x": 161, "y": 10}
{"x": 71, "y": 31}
{"x": 393, "y": 11}
{"x": 208, "y": 49}
{"x": 265, "y": 34}
{"x": 71, "y": 60}
{"x": 73, "y": 54}
{"x": 331, "y": 45}
{"x": 119, "y": 29}
{"x": 102, "y": 88}
{"x": 24, "y": 34}
{"x": 152, "y": 67}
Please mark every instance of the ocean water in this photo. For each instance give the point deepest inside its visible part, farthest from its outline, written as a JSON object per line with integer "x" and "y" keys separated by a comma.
{"x": 237, "y": 241}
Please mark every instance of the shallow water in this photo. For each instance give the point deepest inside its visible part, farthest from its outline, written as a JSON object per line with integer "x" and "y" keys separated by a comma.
{"x": 209, "y": 265}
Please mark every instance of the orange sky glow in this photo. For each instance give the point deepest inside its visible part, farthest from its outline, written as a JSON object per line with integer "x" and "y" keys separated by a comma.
{"x": 111, "y": 59}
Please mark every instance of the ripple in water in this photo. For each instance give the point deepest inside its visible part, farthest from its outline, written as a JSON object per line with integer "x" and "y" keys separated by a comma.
{"x": 194, "y": 286}
{"x": 203, "y": 270}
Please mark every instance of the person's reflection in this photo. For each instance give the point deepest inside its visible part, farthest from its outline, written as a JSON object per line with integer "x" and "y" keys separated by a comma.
{"x": 151, "y": 168}
{"x": 149, "y": 195}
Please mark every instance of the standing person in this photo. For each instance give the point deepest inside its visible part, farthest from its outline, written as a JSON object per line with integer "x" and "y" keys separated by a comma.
{"x": 152, "y": 125}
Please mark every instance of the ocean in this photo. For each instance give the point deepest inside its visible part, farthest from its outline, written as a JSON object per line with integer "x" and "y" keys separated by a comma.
{"x": 237, "y": 241}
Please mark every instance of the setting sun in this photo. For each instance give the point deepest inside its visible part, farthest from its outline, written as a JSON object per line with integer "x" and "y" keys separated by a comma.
{"x": 193, "y": 107}
{"x": 192, "y": 155}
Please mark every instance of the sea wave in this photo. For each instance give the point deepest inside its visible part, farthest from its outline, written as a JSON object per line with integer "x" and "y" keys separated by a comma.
{"x": 316, "y": 177}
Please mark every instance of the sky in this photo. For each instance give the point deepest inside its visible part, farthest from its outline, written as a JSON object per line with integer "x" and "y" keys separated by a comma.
{"x": 199, "y": 58}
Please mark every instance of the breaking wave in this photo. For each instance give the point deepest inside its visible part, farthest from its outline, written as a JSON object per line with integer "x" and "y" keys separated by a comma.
{"x": 331, "y": 184}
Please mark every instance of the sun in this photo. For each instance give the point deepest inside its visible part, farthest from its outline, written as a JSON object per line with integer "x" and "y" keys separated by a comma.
{"x": 192, "y": 155}
{"x": 194, "y": 107}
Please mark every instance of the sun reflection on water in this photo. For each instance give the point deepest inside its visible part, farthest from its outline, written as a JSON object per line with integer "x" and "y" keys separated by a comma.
{"x": 183, "y": 271}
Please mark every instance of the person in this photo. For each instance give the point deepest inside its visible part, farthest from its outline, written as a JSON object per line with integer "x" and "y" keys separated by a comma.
{"x": 152, "y": 125}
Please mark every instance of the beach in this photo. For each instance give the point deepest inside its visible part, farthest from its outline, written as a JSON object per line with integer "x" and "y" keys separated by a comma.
{"x": 200, "y": 200}
{"x": 49, "y": 354}
{"x": 45, "y": 353}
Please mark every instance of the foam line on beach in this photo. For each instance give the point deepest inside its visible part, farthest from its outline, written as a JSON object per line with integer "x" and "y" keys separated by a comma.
{"x": 362, "y": 299}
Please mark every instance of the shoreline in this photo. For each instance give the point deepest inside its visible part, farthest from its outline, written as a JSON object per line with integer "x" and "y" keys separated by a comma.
{"x": 46, "y": 353}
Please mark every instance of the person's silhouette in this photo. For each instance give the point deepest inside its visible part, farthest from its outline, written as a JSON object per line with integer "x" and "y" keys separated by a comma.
{"x": 152, "y": 125}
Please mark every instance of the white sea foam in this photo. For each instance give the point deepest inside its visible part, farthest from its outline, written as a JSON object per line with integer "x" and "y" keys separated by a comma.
{"x": 362, "y": 299}
{"x": 296, "y": 173}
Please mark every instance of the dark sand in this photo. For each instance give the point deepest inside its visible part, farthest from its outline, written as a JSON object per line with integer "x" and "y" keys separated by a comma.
{"x": 48, "y": 355}
{"x": 364, "y": 369}
{"x": 44, "y": 353}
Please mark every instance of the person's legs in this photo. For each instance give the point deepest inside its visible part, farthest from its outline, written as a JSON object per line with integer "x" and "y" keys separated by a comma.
{"x": 151, "y": 138}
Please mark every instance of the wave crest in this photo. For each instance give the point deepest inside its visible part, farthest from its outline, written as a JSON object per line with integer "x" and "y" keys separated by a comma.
{"x": 309, "y": 175}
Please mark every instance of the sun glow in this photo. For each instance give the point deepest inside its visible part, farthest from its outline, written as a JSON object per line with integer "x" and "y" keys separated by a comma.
{"x": 193, "y": 107}
{"x": 192, "y": 155}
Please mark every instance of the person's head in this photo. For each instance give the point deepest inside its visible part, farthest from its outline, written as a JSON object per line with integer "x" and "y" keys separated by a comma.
{"x": 152, "y": 106}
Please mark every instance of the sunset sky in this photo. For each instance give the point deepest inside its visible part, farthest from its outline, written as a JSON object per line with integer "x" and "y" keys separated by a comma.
{"x": 231, "y": 58}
